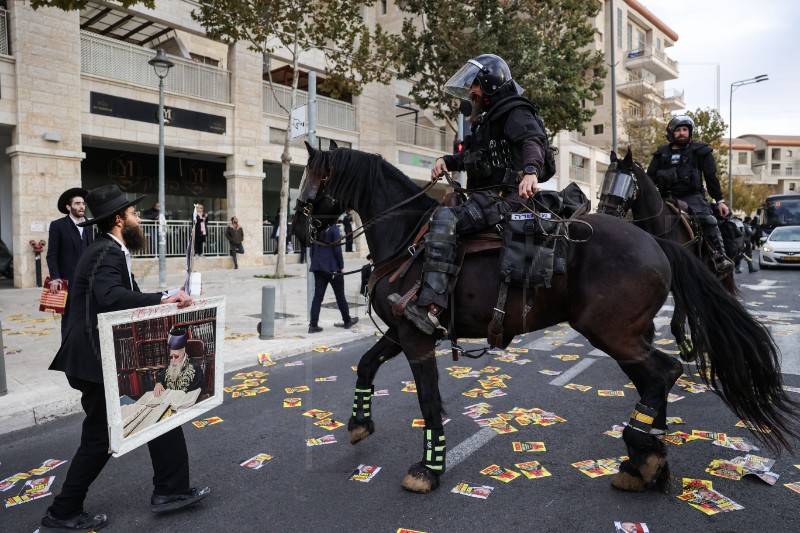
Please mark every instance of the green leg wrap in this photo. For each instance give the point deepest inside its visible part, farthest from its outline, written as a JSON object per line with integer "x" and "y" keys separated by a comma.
{"x": 362, "y": 403}
{"x": 435, "y": 450}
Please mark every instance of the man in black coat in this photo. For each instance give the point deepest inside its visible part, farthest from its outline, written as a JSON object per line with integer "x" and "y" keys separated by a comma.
{"x": 67, "y": 240}
{"x": 104, "y": 282}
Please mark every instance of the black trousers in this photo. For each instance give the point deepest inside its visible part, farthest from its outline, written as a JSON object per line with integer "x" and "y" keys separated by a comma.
{"x": 167, "y": 453}
{"x": 321, "y": 281}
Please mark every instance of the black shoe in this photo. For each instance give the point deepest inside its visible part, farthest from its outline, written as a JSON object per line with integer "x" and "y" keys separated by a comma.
{"x": 347, "y": 325}
{"x": 79, "y": 522}
{"x": 751, "y": 268}
{"x": 314, "y": 329}
{"x": 172, "y": 502}
{"x": 419, "y": 316}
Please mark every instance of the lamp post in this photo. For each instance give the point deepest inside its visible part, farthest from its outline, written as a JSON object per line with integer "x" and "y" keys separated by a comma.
{"x": 161, "y": 64}
{"x": 736, "y": 85}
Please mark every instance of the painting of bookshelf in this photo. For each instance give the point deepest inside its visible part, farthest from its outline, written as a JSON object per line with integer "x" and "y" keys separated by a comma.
{"x": 142, "y": 352}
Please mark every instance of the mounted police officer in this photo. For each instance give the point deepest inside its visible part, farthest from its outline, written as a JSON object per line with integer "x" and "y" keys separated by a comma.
{"x": 678, "y": 169}
{"x": 505, "y": 150}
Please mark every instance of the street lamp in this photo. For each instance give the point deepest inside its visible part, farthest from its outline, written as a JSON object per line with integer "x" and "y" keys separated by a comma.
{"x": 161, "y": 64}
{"x": 736, "y": 85}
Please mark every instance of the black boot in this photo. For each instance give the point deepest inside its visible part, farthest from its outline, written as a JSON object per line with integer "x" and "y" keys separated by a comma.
{"x": 437, "y": 271}
{"x": 751, "y": 266}
{"x": 722, "y": 264}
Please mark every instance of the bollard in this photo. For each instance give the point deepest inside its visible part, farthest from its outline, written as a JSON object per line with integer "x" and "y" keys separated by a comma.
{"x": 3, "y": 386}
{"x": 266, "y": 328}
{"x": 37, "y": 252}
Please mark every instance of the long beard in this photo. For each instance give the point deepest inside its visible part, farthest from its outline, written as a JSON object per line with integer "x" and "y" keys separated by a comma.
{"x": 477, "y": 107}
{"x": 133, "y": 236}
{"x": 174, "y": 371}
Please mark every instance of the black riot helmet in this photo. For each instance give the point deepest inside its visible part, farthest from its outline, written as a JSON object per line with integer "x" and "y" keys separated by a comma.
{"x": 489, "y": 70}
{"x": 680, "y": 120}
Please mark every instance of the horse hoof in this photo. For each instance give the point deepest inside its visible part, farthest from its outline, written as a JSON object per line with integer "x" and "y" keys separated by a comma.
{"x": 628, "y": 482}
{"x": 420, "y": 479}
{"x": 359, "y": 432}
{"x": 651, "y": 468}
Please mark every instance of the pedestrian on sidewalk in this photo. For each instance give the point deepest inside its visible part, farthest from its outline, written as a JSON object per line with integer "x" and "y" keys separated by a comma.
{"x": 235, "y": 235}
{"x": 347, "y": 225}
{"x": 366, "y": 272}
{"x": 104, "y": 282}
{"x": 200, "y": 230}
{"x": 327, "y": 265}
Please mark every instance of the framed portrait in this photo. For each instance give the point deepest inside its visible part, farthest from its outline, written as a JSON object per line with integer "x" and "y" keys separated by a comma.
{"x": 162, "y": 367}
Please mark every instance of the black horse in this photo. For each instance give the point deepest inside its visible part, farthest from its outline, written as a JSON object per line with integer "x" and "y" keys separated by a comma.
{"x": 617, "y": 279}
{"x": 627, "y": 187}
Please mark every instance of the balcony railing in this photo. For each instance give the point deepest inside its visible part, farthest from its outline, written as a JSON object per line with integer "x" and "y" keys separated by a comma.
{"x": 117, "y": 60}
{"x": 330, "y": 113}
{"x": 579, "y": 174}
{"x": 4, "y": 45}
{"x": 216, "y": 244}
{"x": 651, "y": 51}
{"x": 410, "y": 133}
{"x": 785, "y": 172}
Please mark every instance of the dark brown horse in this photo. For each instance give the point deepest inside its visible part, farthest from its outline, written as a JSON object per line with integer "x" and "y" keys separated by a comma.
{"x": 617, "y": 279}
{"x": 627, "y": 187}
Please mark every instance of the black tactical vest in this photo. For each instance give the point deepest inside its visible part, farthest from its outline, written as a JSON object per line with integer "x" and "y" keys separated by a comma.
{"x": 679, "y": 170}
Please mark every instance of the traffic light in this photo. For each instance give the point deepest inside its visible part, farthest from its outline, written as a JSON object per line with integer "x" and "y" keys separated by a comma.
{"x": 458, "y": 146}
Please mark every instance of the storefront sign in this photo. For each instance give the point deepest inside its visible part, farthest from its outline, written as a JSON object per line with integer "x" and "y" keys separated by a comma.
{"x": 126, "y": 108}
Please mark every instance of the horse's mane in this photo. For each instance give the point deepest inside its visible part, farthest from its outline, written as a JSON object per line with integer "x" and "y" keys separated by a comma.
{"x": 357, "y": 178}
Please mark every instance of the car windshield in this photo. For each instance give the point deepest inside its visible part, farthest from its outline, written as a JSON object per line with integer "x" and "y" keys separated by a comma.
{"x": 786, "y": 234}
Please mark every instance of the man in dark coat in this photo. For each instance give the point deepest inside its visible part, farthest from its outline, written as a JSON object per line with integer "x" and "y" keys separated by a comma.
{"x": 327, "y": 265}
{"x": 104, "y": 282}
{"x": 67, "y": 240}
{"x": 181, "y": 374}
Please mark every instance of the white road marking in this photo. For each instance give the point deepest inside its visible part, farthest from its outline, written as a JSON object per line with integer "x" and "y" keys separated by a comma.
{"x": 469, "y": 446}
{"x": 763, "y": 285}
{"x": 567, "y": 376}
{"x": 543, "y": 343}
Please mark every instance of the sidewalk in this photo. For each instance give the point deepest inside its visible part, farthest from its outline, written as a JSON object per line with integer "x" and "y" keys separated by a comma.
{"x": 31, "y": 338}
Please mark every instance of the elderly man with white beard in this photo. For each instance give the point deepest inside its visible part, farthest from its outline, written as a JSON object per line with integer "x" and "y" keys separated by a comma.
{"x": 180, "y": 374}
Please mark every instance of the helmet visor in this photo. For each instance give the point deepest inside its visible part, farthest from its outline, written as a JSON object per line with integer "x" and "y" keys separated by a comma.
{"x": 619, "y": 184}
{"x": 461, "y": 82}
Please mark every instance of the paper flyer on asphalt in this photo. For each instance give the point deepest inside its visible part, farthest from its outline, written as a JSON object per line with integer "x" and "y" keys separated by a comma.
{"x": 32, "y": 489}
{"x": 474, "y": 491}
{"x": 631, "y": 527}
{"x": 709, "y": 501}
{"x": 364, "y": 473}
{"x": 257, "y": 461}
{"x": 532, "y": 469}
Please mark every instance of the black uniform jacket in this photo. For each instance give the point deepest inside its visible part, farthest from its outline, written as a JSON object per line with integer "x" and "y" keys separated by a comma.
{"x": 101, "y": 285}
{"x": 65, "y": 247}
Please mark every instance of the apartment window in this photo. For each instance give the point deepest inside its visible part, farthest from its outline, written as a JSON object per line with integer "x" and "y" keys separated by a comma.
{"x": 384, "y": 7}
{"x": 760, "y": 155}
{"x": 742, "y": 158}
{"x": 577, "y": 161}
{"x": 792, "y": 186}
{"x": 630, "y": 37}
{"x": 619, "y": 28}
{"x": 788, "y": 154}
{"x": 776, "y": 153}
{"x": 658, "y": 43}
{"x": 634, "y": 110}
{"x": 598, "y": 100}
{"x": 640, "y": 39}
{"x": 599, "y": 36}
{"x": 598, "y": 129}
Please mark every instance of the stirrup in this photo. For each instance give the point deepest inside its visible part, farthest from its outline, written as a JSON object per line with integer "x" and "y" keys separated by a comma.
{"x": 420, "y": 317}
{"x": 722, "y": 264}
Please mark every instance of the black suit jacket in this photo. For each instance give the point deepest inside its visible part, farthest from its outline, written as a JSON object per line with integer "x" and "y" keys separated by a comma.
{"x": 101, "y": 285}
{"x": 65, "y": 248}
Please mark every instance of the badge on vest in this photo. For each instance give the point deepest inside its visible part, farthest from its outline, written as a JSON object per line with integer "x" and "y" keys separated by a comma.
{"x": 529, "y": 216}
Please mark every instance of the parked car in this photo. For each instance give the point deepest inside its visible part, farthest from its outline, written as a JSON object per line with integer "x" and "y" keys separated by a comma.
{"x": 782, "y": 248}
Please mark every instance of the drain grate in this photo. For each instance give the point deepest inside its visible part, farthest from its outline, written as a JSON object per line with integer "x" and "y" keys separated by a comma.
{"x": 278, "y": 316}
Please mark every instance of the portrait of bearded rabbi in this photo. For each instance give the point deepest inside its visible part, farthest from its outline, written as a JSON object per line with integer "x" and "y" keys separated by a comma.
{"x": 181, "y": 373}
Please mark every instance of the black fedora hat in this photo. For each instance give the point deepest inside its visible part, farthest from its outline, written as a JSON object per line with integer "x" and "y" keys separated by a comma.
{"x": 105, "y": 201}
{"x": 67, "y": 197}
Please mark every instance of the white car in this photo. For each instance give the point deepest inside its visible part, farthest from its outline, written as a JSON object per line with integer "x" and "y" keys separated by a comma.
{"x": 782, "y": 248}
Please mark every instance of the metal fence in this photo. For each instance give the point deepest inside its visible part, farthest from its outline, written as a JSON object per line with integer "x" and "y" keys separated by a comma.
{"x": 117, "y": 60}
{"x": 216, "y": 245}
{"x": 4, "y": 41}
{"x": 330, "y": 113}
{"x": 419, "y": 135}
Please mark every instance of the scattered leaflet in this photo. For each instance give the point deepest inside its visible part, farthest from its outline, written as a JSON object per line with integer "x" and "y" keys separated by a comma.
{"x": 257, "y": 462}
{"x": 532, "y": 470}
{"x": 382, "y": 392}
{"x": 500, "y": 474}
{"x": 610, "y": 393}
{"x": 679, "y": 437}
{"x": 736, "y": 443}
{"x": 328, "y": 378}
{"x": 327, "y": 439}
{"x": 672, "y": 398}
{"x": 631, "y": 527}
{"x": 600, "y": 467}
{"x": 528, "y": 446}
{"x": 207, "y": 422}
{"x": 709, "y": 501}
{"x": 575, "y": 386}
{"x": 757, "y": 466}
{"x": 550, "y": 372}
{"x": 32, "y": 489}
{"x": 420, "y": 422}
{"x": 475, "y": 491}
{"x": 364, "y": 473}
{"x": 615, "y": 431}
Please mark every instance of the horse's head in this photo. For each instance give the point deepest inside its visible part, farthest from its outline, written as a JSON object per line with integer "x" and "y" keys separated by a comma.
{"x": 620, "y": 186}
{"x": 315, "y": 209}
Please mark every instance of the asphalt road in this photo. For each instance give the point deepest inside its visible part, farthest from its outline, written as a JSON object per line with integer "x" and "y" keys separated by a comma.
{"x": 307, "y": 488}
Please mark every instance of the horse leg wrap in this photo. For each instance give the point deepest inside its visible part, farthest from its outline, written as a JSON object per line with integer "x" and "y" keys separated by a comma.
{"x": 642, "y": 418}
{"x": 440, "y": 256}
{"x": 362, "y": 404}
{"x": 435, "y": 450}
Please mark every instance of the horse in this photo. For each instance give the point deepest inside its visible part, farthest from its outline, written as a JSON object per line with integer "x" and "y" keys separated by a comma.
{"x": 627, "y": 187}
{"x": 617, "y": 278}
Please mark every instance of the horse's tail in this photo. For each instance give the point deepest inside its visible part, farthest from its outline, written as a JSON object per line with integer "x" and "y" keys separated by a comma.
{"x": 739, "y": 358}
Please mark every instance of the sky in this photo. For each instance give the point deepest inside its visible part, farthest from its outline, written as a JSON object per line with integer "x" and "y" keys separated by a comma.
{"x": 745, "y": 38}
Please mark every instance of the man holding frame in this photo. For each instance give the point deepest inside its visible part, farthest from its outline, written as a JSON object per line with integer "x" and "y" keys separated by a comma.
{"x": 104, "y": 282}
